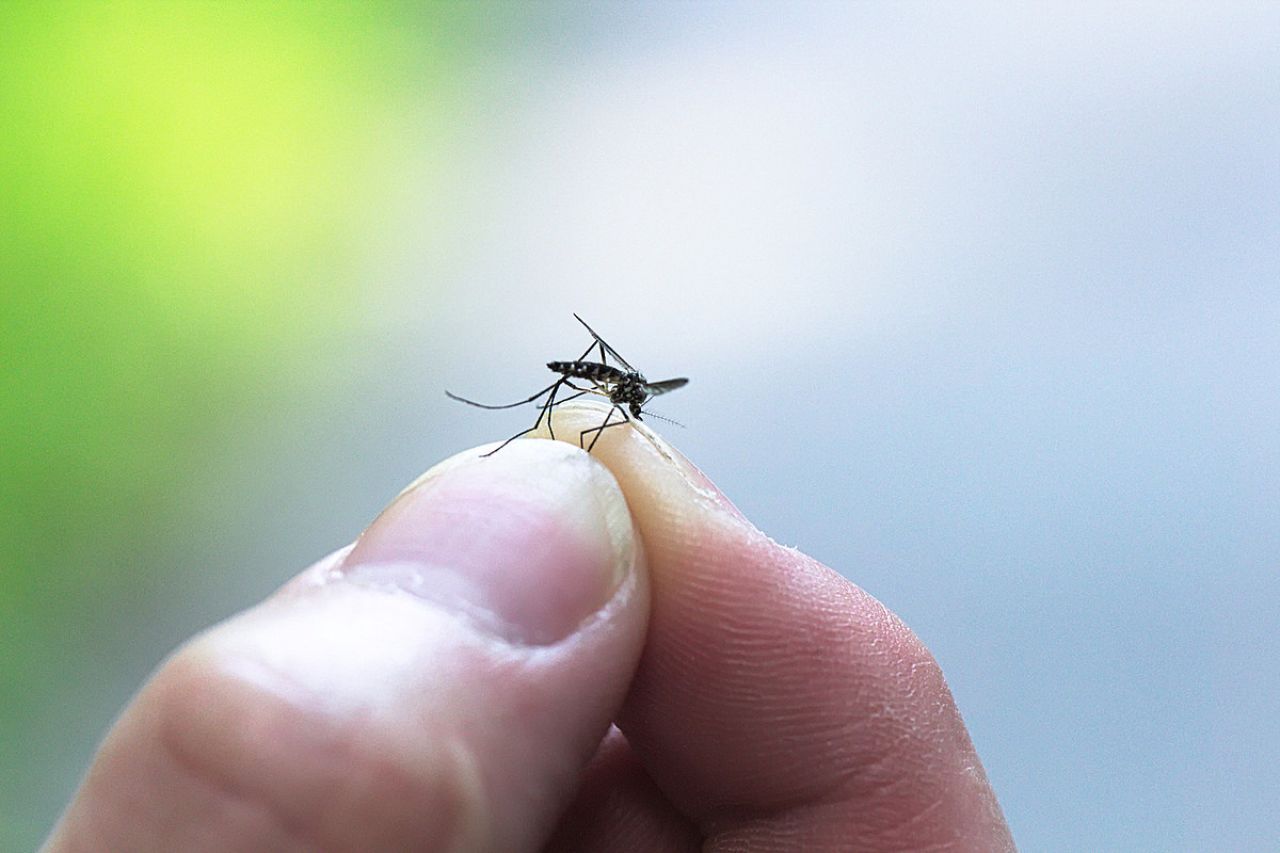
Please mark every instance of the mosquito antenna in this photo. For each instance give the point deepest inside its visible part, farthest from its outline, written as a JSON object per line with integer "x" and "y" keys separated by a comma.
{"x": 649, "y": 414}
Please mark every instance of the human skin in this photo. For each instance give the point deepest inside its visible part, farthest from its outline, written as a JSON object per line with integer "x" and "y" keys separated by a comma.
{"x": 547, "y": 650}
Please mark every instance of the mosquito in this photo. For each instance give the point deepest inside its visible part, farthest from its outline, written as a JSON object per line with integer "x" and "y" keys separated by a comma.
{"x": 624, "y": 387}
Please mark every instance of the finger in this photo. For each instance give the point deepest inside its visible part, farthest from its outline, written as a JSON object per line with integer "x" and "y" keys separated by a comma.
{"x": 776, "y": 703}
{"x": 439, "y": 689}
{"x": 619, "y": 809}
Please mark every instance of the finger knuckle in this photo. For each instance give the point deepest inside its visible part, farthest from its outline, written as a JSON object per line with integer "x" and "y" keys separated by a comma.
{"x": 333, "y": 781}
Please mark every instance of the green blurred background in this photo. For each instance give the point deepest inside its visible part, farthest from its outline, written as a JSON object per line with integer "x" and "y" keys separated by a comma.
{"x": 190, "y": 197}
{"x": 992, "y": 286}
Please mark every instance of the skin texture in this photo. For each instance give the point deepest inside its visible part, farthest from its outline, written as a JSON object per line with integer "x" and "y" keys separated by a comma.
{"x": 515, "y": 657}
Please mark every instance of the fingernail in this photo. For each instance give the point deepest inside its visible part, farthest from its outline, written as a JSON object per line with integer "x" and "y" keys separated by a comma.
{"x": 526, "y": 544}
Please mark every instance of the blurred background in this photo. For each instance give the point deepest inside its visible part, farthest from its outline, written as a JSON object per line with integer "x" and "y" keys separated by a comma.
{"x": 980, "y": 306}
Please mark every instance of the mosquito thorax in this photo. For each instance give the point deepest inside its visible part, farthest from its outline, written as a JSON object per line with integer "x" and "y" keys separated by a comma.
{"x": 631, "y": 391}
{"x": 631, "y": 387}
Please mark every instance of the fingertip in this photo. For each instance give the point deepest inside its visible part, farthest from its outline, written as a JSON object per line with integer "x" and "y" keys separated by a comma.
{"x": 668, "y": 494}
{"x": 438, "y": 685}
{"x": 455, "y": 536}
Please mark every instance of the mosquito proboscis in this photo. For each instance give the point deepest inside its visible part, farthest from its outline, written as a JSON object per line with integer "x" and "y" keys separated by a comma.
{"x": 622, "y": 385}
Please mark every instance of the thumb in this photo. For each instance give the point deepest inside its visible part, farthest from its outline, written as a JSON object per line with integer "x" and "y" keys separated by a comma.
{"x": 439, "y": 687}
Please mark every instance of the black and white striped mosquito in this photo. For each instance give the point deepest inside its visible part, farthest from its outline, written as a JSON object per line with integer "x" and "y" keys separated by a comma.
{"x": 624, "y": 387}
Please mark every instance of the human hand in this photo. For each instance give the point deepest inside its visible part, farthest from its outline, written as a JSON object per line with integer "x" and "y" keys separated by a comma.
{"x": 448, "y": 683}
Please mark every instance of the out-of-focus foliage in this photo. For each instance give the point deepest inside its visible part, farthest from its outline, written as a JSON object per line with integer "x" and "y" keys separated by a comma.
{"x": 185, "y": 194}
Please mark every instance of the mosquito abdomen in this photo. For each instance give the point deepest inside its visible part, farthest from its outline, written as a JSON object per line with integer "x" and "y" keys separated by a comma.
{"x": 592, "y": 371}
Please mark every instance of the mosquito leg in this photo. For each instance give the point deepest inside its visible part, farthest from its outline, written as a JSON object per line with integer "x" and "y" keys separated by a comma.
{"x": 608, "y": 422}
{"x": 581, "y": 392}
{"x": 582, "y": 436}
{"x": 535, "y": 426}
{"x": 597, "y": 389}
{"x": 546, "y": 409}
{"x": 509, "y": 440}
{"x": 598, "y": 343}
{"x": 553, "y": 387}
{"x": 552, "y": 402}
{"x": 600, "y": 431}
{"x": 453, "y": 396}
{"x": 603, "y": 346}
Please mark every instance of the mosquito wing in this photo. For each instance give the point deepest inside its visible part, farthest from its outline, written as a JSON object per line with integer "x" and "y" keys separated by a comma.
{"x": 656, "y": 388}
{"x": 613, "y": 352}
